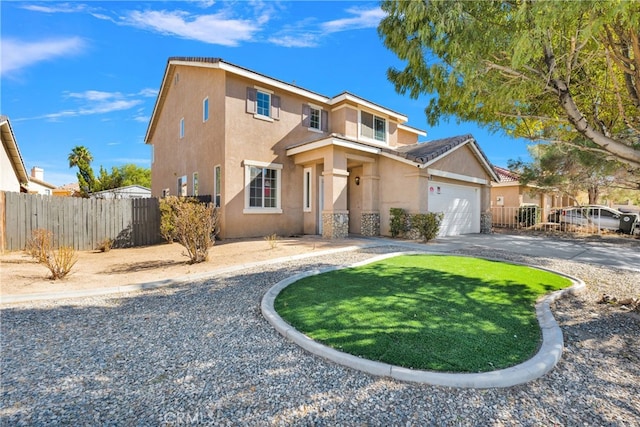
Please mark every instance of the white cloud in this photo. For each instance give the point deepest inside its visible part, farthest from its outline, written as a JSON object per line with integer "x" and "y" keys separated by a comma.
{"x": 363, "y": 18}
{"x": 18, "y": 54}
{"x": 92, "y": 102}
{"x": 295, "y": 40}
{"x": 148, "y": 93}
{"x": 213, "y": 29}
{"x": 56, "y": 8}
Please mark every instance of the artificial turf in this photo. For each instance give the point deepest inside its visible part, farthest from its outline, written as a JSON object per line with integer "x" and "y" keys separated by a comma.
{"x": 433, "y": 312}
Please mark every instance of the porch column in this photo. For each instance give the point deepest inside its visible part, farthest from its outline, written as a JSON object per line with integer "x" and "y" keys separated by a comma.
{"x": 335, "y": 216}
{"x": 370, "y": 200}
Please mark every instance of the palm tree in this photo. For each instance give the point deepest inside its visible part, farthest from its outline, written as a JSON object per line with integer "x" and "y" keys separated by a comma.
{"x": 82, "y": 158}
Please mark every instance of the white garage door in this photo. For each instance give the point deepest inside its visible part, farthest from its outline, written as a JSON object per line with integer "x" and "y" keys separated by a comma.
{"x": 460, "y": 205}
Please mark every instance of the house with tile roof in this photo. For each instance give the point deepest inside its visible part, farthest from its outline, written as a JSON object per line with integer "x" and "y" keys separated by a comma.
{"x": 13, "y": 174}
{"x": 279, "y": 158}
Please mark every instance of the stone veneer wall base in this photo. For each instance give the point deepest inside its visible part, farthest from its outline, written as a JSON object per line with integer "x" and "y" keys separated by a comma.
{"x": 335, "y": 225}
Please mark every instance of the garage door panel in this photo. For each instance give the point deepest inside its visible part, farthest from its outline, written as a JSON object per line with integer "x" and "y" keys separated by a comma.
{"x": 460, "y": 205}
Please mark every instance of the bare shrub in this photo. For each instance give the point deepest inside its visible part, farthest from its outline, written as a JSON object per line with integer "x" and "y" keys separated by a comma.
{"x": 105, "y": 245}
{"x": 59, "y": 262}
{"x": 191, "y": 223}
{"x": 272, "y": 240}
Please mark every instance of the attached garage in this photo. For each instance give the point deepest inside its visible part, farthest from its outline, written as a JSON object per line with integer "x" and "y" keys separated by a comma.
{"x": 460, "y": 205}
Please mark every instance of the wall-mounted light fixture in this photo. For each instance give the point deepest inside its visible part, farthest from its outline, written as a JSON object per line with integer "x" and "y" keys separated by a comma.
{"x": 357, "y": 180}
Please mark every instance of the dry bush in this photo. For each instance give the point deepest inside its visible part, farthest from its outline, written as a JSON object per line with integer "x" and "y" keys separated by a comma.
{"x": 191, "y": 223}
{"x": 105, "y": 245}
{"x": 59, "y": 262}
{"x": 272, "y": 240}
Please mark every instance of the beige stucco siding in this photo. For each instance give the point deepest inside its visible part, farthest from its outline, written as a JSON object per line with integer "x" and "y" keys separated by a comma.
{"x": 399, "y": 187}
{"x": 462, "y": 161}
{"x": 202, "y": 146}
{"x": 8, "y": 178}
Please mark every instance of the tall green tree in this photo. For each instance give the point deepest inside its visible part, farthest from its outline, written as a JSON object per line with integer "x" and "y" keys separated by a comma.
{"x": 536, "y": 69}
{"x": 81, "y": 158}
{"x": 122, "y": 176}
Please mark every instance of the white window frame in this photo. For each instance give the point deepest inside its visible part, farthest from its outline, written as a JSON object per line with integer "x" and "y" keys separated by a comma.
{"x": 182, "y": 182}
{"x": 374, "y": 117}
{"x": 269, "y": 93}
{"x": 313, "y": 108}
{"x": 307, "y": 190}
{"x": 217, "y": 185}
{"x": 205, "y": 110}
{"x": 248, "y": 164}
{"x": 182, "y": 128}
{"x": 195, "y": 183}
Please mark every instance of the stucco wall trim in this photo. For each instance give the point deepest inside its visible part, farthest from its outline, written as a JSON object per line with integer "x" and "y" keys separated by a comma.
{"x": 457, "y": 176}
{"x": 331, "y": 141}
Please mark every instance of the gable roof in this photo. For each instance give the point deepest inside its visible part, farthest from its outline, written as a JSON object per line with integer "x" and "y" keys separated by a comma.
{"x": 11, "y": 146}
{"x": 218, "y": 63}
{"x": 506, "y": 175}
{"x": 421, "y": 155}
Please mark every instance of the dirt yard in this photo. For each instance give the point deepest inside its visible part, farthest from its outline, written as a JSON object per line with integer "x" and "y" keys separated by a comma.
{"x": 20, "y": 274}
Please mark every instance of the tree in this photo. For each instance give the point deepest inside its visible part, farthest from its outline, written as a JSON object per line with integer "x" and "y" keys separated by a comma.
{"x": 570, "y": 169}
{"x": 82, "y": 158}
{"x": 535, "y": 69}
{"x": 128, "y": 174}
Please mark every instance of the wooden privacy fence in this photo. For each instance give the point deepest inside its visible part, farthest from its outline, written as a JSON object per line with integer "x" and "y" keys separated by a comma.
{"x": 77, "y": 222}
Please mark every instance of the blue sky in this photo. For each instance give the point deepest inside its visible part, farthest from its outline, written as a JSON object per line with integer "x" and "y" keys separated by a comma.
{"x": 87, "y": 73}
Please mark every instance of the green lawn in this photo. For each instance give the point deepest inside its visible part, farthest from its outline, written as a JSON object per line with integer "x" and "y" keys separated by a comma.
{"x": 441, "y": 313}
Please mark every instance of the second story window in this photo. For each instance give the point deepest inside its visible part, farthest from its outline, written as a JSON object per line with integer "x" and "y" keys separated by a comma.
{"x": 182, "y": 128}
{"x": 373, "y": 127}
{"x": 315, "y": 118}
{"x": 263, "y": 104}
{"x": 205, "y": 109}
{"x": 263, "y": 101}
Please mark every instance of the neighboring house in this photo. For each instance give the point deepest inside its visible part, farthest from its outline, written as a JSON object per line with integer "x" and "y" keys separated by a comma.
{"x": 67, "y": 190}
{"x": 278, "y": 158}
{"x": 510, "y": 192}
{"x": 13, "y": 174}
{"x": 37, "y": 184}
{"x": 128, "y": 192}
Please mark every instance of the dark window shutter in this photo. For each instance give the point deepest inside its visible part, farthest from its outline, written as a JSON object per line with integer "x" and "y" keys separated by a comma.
{"x": 306, "y": 115}
{"x": 325, "y": 121}
{"x": 275, "y": 107}
{"x": 251, "y": 100}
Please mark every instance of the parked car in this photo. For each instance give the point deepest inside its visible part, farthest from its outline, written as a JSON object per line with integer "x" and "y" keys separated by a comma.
{"x": 603, "y": 217}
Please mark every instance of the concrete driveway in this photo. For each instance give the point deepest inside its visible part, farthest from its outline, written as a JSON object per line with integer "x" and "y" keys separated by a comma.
{"x": 621, "y": 253}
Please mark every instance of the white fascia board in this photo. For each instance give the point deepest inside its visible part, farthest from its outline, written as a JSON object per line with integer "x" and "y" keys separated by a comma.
{"x": 412, "y": 130}
{"x": 457, "y": 176}
{"x": 268, "y": 81}
{"x": 400, "y": 159}
{"x": 369, "y": 105}
{"x": 332, "y": 141}
{"x": 445, "y": 154}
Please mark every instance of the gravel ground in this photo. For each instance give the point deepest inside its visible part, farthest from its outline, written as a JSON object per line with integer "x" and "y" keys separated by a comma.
{"x": 203, "y": 354}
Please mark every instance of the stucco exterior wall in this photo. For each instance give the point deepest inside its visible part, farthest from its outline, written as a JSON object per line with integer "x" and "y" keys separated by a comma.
{"x": 462, "y": 161}
{"x": 8, "y": 178}
{"x": 399, "y": 188}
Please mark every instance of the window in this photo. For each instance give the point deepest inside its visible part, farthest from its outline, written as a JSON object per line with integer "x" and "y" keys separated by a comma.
{"x": 216, "y": 185}
{"x": 195, "y": 183}
{"x": 373, "y": 127}
{"x": 315, "y": 118}
{"x": 262, "y": 187}
{"x": 263, "y": 104}
{"x": 205, "y": 109}
{"x": 182, "y": 128}
{"x": 306, "y": 203}
{"x": 182, "y": 186}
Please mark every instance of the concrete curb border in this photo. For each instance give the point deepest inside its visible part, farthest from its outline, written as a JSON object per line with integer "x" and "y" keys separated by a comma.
{"x": 13, "y": 299}
{"x": 541, "y": 363}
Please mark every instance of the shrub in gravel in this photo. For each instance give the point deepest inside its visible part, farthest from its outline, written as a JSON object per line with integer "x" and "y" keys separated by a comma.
{"x": 427, "y": 225}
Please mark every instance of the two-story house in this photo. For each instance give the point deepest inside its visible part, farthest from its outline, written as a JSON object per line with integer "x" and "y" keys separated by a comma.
{"x": 278, "y": 158}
